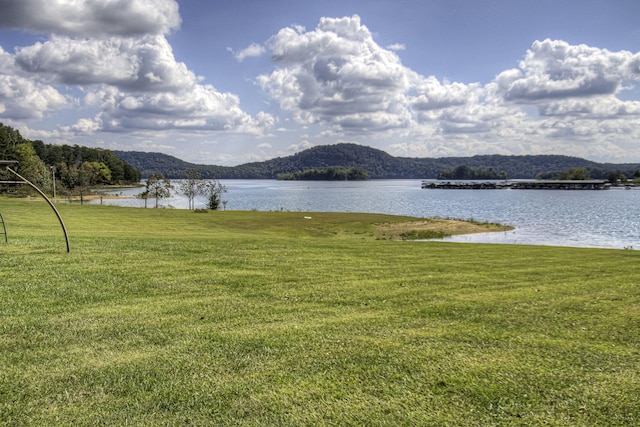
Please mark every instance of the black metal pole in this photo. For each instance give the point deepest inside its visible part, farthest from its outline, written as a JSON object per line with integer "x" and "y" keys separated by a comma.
{"x": 26, "y": 181}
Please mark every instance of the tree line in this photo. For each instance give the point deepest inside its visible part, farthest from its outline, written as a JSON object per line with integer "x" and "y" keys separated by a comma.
{"x": 69, "y": 170}
{"x": 464, "y": 172}
{"x": 613, "y": 176}
{"x": 327, "y": 174}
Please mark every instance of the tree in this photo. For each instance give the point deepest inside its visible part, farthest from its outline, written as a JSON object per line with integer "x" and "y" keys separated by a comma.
{"x": 358, "y": 174}
{"x": 85, "y": 179}
{"x": 193, "y": 186}
{"x": 31, "y": 167}
{"x": 98, "y": 172}
{"x": 575, "y": 174}
{"x": 612, "y": 177}
{"x": 144, "y": 195}
{"x": 157, "y": 187}
{"x": 215, "y": 190}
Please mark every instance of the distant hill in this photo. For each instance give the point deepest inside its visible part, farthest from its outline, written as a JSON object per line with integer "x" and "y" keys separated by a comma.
{"x": 377, "y": 163}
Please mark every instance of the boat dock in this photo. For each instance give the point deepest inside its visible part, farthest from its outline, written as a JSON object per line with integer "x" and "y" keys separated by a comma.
{"x": 466, "y": 185}
{"x": 520, "y": 184}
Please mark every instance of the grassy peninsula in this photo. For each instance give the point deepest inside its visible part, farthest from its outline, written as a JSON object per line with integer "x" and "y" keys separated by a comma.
{"x": 172, "y": 317}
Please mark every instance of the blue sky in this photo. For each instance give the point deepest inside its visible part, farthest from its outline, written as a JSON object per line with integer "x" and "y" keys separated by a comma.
{"x": 228, "y": 82}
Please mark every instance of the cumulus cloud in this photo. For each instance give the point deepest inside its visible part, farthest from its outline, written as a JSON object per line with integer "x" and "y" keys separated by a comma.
{"x": 137, "y": 64}
{"x": 23, "y": 98}
{"x": 574, "y": 89}
{"x": 197, "y": 107}
{"x": 433, "y": 95}
{"x": 596, "y": 108}
{"x": 253, "y": 50}
{"x": 339, "y": 76}
{"x": 554, "y": 69}
{"x": 138, "y": 84}
{"x": 117, "y": 53}
{"x": 91, "y": 18}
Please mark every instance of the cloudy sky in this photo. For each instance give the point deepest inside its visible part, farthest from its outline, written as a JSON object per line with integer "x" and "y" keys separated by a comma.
{"x": 228, "y": 82}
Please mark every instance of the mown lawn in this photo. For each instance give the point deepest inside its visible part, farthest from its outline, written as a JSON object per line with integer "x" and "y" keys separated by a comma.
{"x": 171, "y": 317}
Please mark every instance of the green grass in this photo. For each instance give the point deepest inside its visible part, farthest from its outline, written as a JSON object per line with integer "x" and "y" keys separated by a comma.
{"x": 170, "y": 317}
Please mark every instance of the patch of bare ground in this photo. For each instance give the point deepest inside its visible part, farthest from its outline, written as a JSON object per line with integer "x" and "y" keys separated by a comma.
{"x": 435, "y": 229}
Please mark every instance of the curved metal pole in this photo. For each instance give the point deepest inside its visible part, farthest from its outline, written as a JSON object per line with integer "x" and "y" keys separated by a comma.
{"x": 26, "y": 181}
{"x": 4, "y": 227}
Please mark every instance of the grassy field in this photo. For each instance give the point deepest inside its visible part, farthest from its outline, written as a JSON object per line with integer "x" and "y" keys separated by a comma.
{"x": 171, "y": 317}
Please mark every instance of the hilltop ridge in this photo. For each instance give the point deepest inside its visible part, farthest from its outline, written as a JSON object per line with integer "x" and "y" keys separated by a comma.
{"x": 377, "y": 163}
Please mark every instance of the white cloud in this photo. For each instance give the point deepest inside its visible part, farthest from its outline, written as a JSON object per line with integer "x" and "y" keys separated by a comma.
{"x": 295, "y": 148}
{"x": 554, "y": 69}
{"x": 396, "y": 46}
{"x": 196, "y": 107}
{"x": 23, "y": 98}
{"x": 337, "y": 75}
{"x": 91, "y": 18}
{"x": 250, "y": 51}
{"x": 432, "y": 95}
{"x": 596, "y": 108}
{"x": 85, "y": 126}
{"x": 135, "y": 82}
{"x": 136, "y": 64}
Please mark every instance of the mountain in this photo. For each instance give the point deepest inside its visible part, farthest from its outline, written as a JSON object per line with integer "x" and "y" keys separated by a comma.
{"x": 377, "y": 163}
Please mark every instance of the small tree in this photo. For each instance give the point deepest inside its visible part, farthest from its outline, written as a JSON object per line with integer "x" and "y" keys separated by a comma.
{"x": 215, "y": 190}
{"x": 157, "y": 187}
{"x": 144, "y": 195}
{"x": 193, "y": 186}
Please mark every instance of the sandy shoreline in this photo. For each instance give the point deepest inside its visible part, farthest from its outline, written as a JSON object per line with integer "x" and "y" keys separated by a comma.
{"x": 448, "y": 227}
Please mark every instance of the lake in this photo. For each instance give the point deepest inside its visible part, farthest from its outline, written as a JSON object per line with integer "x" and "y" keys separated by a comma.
{"x": 587, "y": 218}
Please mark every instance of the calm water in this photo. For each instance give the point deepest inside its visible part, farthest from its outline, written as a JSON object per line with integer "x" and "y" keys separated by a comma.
{"x": 606, "y": 219}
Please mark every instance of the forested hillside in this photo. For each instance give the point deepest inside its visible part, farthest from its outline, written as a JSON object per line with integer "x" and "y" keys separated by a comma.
{"x": 75, "y": 167}
{"x": 169, "y": 166}
{"x": 378, "y": 165}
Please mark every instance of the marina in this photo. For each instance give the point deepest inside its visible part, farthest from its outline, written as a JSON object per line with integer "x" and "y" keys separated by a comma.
{"x": 520, "y": 184}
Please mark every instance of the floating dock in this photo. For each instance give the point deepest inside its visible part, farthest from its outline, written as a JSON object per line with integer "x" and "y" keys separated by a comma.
{"x": 466, "y": 185}
{"x": 520, "y": 184}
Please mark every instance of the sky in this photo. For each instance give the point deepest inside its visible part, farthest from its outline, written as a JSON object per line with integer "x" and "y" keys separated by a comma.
{"x": 229, "y": 82}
